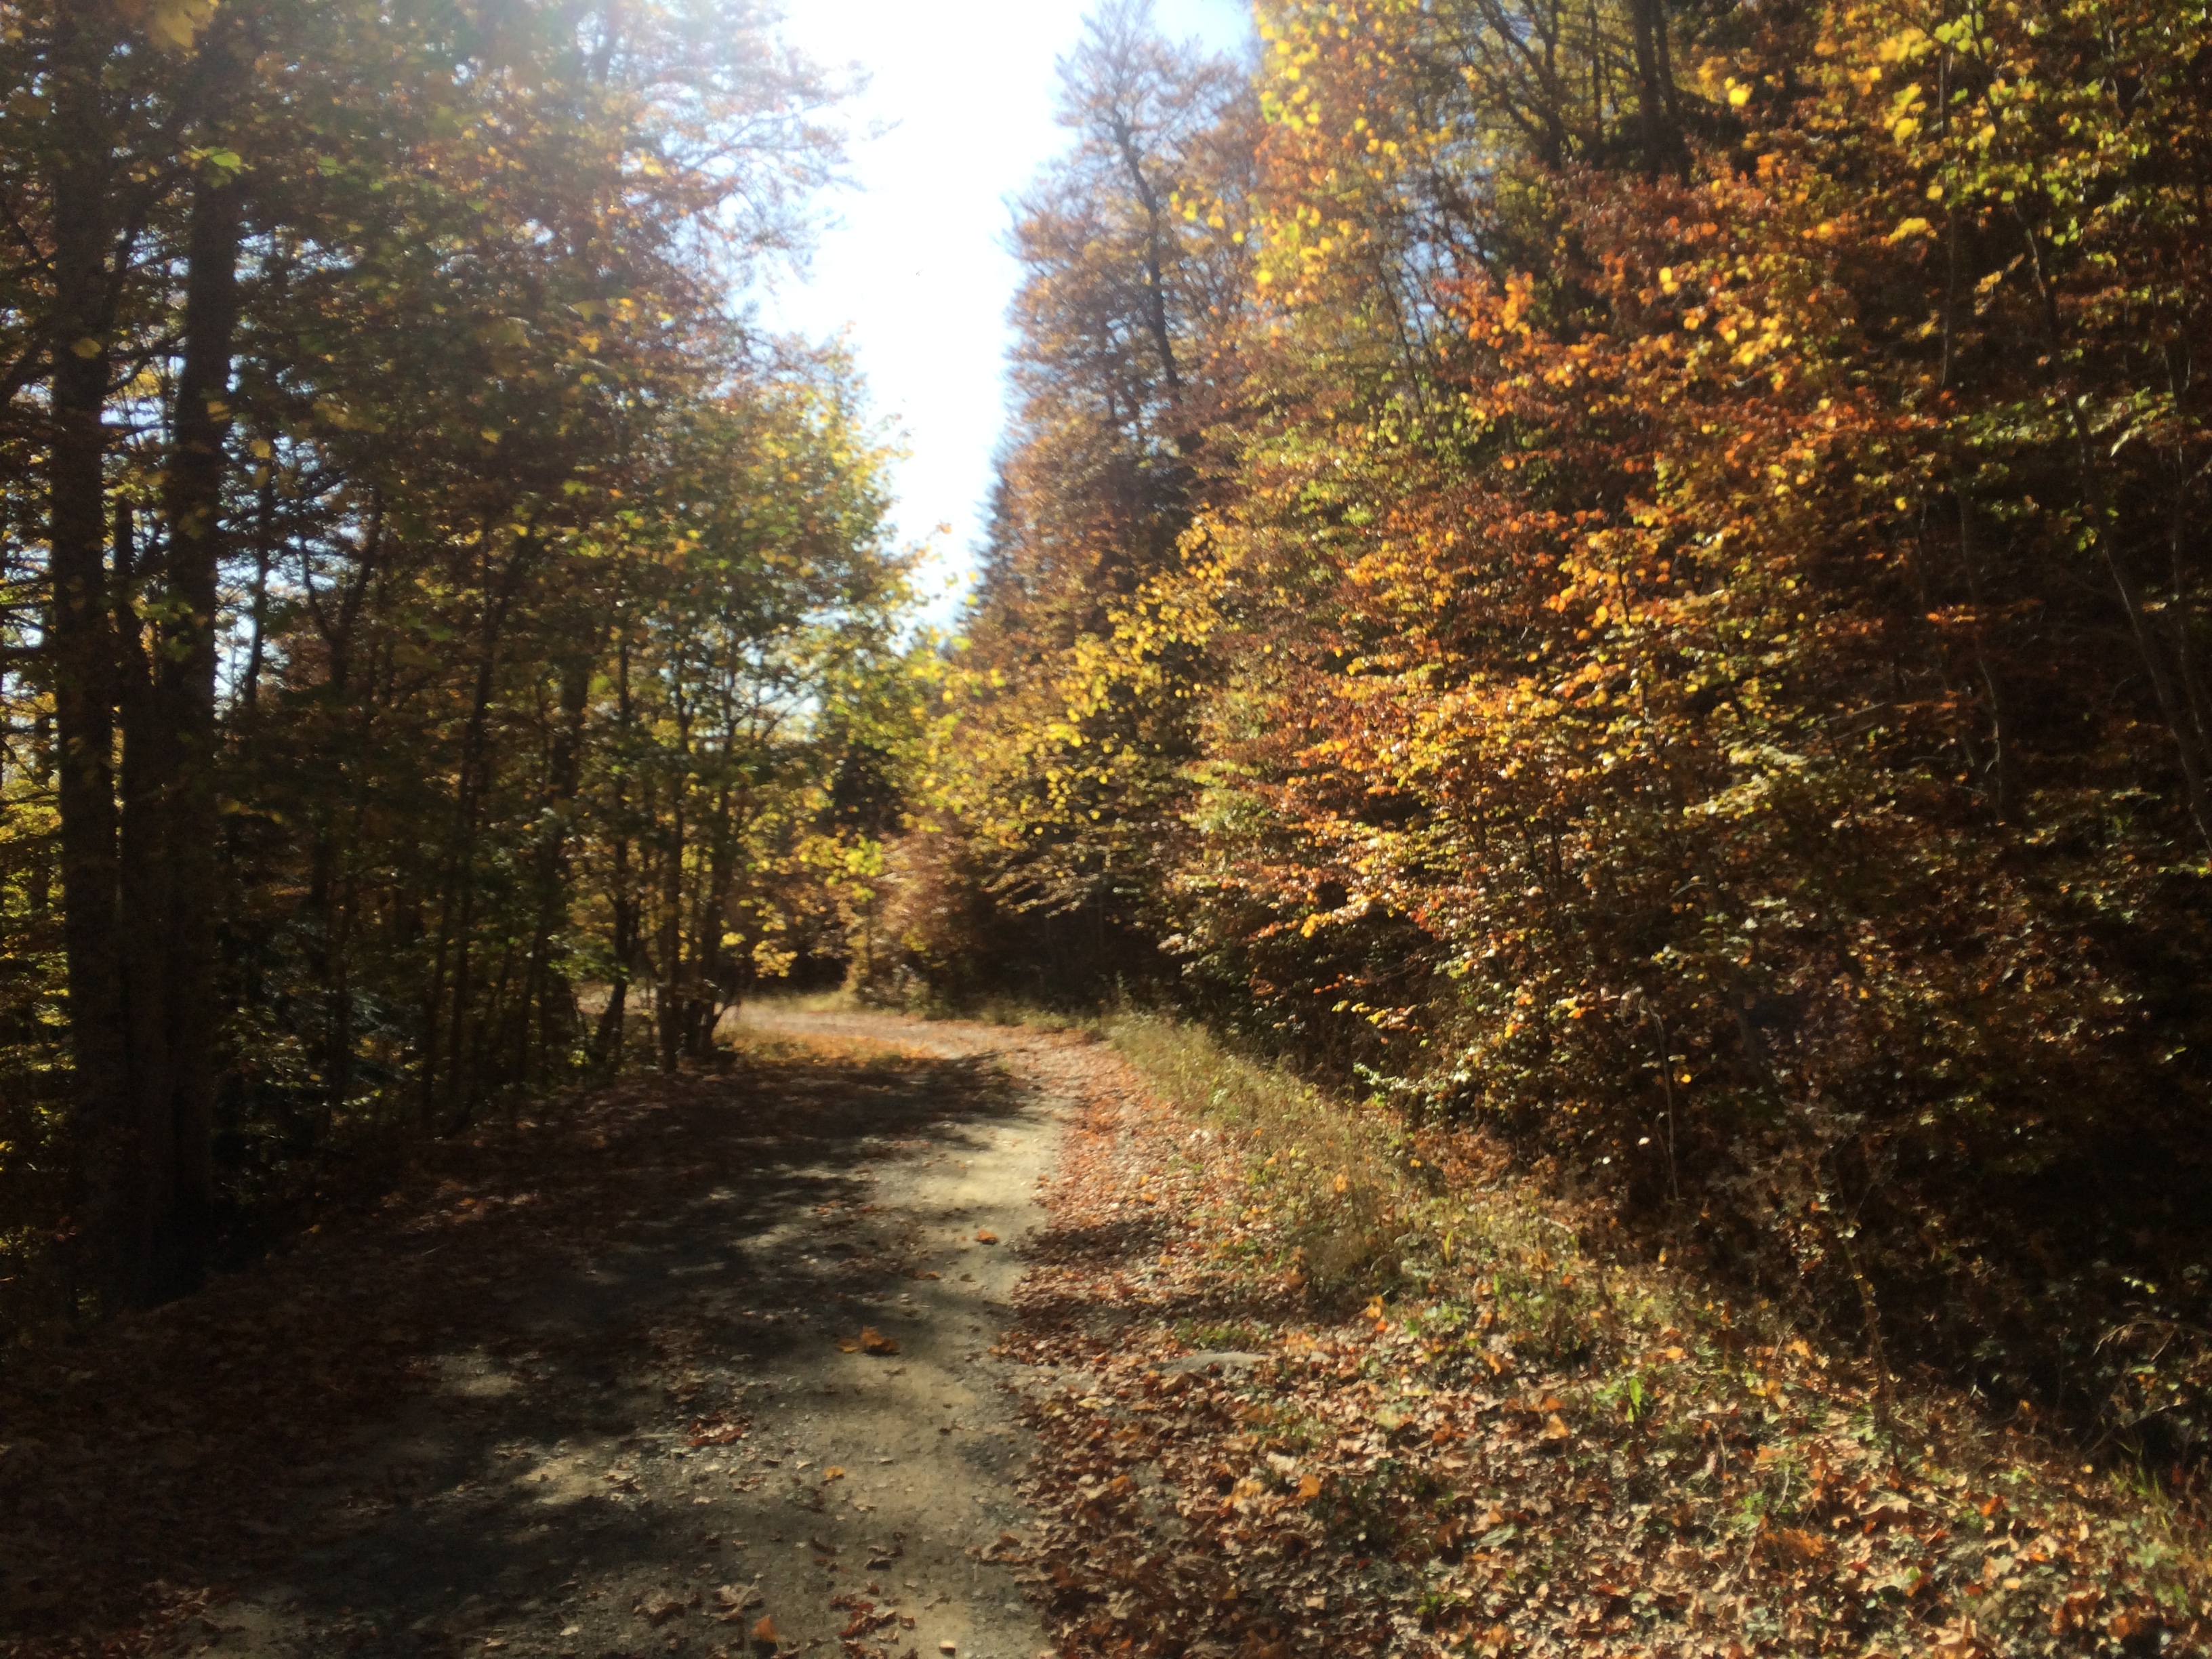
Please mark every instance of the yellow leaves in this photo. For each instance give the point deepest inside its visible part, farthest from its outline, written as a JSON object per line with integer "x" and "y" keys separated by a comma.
{"x": 171, "y": 25}
{"x": 1908, "y": 229}
{"x": 1520, "y": 293}
{"x": 1906, "y": 47}
{"x": 1903, "y": 108}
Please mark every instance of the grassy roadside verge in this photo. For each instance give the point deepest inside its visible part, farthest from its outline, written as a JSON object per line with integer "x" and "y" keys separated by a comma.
{"x": 1446, "y": 1421}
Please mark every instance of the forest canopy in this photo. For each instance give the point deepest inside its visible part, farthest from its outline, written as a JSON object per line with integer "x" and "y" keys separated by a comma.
{"x": 1636, "y": 573}
{"x": 1631, "y": 573}
{"x": 426, "y": 591}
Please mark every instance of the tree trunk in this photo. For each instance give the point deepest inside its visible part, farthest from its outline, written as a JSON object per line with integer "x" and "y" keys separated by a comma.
{"x": 82, "y": 635}
{"x": 668, "y": 993}
{"x": 607, "y": 1038}
{"x": 549, "y": 998}
{"x": 1652, "y": 92}
{"x": 174, "y": 967}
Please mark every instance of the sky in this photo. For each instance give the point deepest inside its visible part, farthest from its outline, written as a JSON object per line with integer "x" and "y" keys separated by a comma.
{"x": 913, "y": 269}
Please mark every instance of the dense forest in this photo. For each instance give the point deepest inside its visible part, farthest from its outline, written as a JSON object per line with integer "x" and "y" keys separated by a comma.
{"x": 426, "y": 593}
{"x": 1637, "y": 573}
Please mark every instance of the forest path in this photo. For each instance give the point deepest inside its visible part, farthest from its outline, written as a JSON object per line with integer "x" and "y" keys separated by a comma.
{"x": 592, "y": 1389}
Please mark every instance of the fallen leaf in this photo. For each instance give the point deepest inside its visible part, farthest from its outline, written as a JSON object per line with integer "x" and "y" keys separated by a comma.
{"x": 874, "y": 1341}
{"x": 983, "y": 1235}
{"x": 834, "y": 1472}
{"x": 1308, "y": 1487}
{"x": 1555, "y": 1427}
{"x": 1793, "y": 1544}
{"x": 734, "y": 1601}
{"x": 764, "y": 1632}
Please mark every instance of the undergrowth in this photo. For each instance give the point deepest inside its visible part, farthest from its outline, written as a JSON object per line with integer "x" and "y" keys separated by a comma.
{"x": 1482, "y": 1278}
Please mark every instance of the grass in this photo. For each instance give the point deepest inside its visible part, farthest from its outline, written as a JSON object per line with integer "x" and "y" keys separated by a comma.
{"x": 1504, "y": 1283}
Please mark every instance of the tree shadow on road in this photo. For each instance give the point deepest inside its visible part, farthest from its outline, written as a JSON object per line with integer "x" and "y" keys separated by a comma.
{"x": 365, "y": 1419}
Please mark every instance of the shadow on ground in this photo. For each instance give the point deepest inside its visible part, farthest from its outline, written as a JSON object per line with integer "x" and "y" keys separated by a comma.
{"x": 412, "y": 1430}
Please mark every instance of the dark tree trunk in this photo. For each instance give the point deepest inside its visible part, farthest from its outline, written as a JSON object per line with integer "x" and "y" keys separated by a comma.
{"x": 1655, "y": 90}
{"x": 669, "y": 992}
{"x": 81, "y": 635}
{"x": 549, "y": 998}
{"x": 171, "y": 763}
{"x": 607, "y": 1038}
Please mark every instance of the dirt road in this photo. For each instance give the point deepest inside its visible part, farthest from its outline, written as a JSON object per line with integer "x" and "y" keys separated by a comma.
{"x": 630, "y": 1380}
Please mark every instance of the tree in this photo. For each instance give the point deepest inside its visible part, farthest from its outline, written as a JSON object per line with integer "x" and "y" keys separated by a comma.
{"x": 1133, "y": 253}
{"x": 356, "y": 350}
{"x": 1681, "y": 632}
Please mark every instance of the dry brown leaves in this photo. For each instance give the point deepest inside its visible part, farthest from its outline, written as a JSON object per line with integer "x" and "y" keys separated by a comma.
{"x": 1401, "y": 1480}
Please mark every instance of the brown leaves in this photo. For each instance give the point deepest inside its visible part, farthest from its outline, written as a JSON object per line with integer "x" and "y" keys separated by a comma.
{"x": 867, "y": 1618}
{"x": 1367, "y": 1423}
{"x": 870, "y": 1340}
{"x": 1797, "y": 1547}
{"x": 732, "y": 1603}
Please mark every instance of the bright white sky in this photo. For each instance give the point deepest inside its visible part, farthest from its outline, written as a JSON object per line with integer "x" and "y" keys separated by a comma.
{"x": 915, "y": 268}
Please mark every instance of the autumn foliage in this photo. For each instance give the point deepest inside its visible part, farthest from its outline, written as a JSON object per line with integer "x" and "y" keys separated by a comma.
{"x": 444, "y": 646}
{"x": 1681, "y": 630}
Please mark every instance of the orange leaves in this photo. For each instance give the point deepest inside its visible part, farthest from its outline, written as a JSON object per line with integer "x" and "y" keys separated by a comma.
{"x": 870, "y": 1340}
{"x": 1659, "y": 681}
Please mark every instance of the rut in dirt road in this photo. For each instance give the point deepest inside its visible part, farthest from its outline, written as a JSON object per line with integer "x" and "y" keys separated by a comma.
{"x": 713, "y": 1351}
